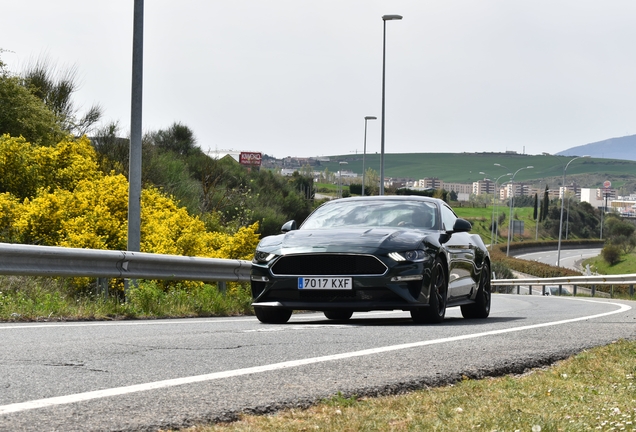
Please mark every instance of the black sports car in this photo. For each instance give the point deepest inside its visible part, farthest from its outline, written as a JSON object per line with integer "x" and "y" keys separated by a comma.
{"x": 373, "y": 253}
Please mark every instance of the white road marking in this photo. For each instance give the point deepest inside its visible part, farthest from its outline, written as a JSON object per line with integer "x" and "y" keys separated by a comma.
{"x": 300, "y": 317}
{"x": 126, "y": 323}
{"x": 81, "y": 397}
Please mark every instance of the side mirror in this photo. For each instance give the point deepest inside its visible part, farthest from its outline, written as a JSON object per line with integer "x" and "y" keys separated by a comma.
{"x": 289, "y": 226}
{"x": 462, "y": 225}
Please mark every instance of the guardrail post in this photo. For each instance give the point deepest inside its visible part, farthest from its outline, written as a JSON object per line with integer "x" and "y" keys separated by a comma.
{"x": 611, "y": 291}
{"x": 560, "y": 290}
{"x": 102, "y": 287}
{"x": 222, "y": 286}
{"x": 529, "y": 289}
{"x": 518, "y": 289}
{"x": 573, "y": 290}
{"x": 631, "y": 290}
{"x": 593, "y": 290}
{"x": 543, "y": 290}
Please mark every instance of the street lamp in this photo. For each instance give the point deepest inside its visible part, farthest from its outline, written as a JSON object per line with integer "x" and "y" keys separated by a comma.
{"x": 512, "y": 193}
{"x": 340, "y": 178}
{"x": 558, "y": 263}
{"x": 493, "y": 226}
{"x": 385, "y": 18}
{"x": 364, "y": 154}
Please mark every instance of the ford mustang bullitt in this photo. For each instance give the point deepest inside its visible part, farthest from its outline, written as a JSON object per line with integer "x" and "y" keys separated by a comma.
{"x": 360, "y": 254}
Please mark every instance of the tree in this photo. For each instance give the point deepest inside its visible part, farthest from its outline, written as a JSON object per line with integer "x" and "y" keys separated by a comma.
{"x": 371, "y": 182}
{"x": 178, "y": 139}
{"x": 112, "y": 151}
{"x": 545, "y": 204}
{"x": 617, "y": 227}
{"x": 55, "y": 88}
{"x": 23, "y": 114}
{"x": 303, "y": 184}
{"x": 481, "y": 200}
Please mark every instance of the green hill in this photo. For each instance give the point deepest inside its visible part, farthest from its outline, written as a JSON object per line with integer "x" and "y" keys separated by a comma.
{"x": 465, "y": 167}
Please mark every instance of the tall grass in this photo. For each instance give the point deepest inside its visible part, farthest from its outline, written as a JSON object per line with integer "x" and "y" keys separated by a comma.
{"x": 38, "y": 299}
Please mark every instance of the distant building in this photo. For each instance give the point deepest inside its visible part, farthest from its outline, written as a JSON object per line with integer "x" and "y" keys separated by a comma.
{"x": 596, "y": 197}
{"x": 346, "y": 174}
{"x": 573, "y": 188}
{"x": 514, "y": 189}
{"x": 430, "y": 183}
{"x": 220, "y": 154}
{"x": 458, "y": 188}
{"x": 483, "y": 187}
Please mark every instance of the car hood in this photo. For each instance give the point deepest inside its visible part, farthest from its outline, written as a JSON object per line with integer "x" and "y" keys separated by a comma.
{"x": 361, "y": 240}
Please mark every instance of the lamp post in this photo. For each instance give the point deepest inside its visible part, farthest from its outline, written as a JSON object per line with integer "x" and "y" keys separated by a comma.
{"x": 539, "y": 210}
{"x": 364, "y": 154}
{"x": 340, "y": 178}
{"x": 493, "y": 228}
{"x": 536, "y": 226}
{"x": 512, "y": 193}
{"x": 558, "y": 263}
{"x": 385, "y": 18}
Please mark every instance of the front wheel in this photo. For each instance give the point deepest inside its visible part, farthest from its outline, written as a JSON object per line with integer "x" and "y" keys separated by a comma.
{"x": 270, "y": 315}
{"x": 481, "y": 307}
{"x": 339, "y": 314}
{"x": 436, "y": 310}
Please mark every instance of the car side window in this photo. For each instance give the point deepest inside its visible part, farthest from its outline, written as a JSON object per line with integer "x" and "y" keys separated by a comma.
{"x": 448, "y": 218}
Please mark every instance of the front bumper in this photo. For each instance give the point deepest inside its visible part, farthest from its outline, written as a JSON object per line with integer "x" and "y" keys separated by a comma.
{"x": 403, "y": 287}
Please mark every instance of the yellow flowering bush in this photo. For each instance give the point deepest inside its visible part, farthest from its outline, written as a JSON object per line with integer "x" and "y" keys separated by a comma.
{"x": 25, "y": 167}
{"x": 9, "y": 206}
{"x": 57, "y": 196}
{"x": 65, "y": 165}
{"x": 18, "y": 172}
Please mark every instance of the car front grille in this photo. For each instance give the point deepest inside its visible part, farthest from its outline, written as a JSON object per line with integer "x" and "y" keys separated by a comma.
{"x": 328, "y": 265}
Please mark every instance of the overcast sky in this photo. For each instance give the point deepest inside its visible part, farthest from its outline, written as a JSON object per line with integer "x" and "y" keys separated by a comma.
{"x": 296, "y": 78}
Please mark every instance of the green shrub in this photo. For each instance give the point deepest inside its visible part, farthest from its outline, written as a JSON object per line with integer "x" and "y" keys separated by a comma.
{"x": 611, "y": 254}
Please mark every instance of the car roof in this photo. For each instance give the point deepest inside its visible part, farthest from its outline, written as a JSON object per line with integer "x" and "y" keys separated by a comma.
{"x": 391, "y": 198}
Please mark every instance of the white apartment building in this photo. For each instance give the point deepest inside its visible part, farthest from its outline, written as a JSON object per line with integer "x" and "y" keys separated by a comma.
{"x": 596, "y": 196}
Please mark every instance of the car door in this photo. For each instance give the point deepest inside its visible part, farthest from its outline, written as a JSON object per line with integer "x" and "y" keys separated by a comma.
{"x": 461, "y": 255}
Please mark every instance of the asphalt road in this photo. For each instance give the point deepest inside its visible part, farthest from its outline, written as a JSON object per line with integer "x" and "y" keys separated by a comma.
{"x": 145, "y": 375}
{"x": 570, "y": 258}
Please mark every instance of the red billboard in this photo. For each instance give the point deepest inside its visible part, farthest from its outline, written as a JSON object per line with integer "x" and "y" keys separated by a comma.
{"x": 250, "y": 158}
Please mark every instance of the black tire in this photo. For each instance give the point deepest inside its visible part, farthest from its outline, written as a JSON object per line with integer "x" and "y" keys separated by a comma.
{"x": 342, "y": 314}
{"x": 270, "y": 315}
{"x": 436, "y": 310}
{"x": 481, "y": 307}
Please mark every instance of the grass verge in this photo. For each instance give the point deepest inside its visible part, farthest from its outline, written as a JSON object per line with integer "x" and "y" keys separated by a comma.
{"x": 49, "y": 299}
{"x": 594, "y": 390}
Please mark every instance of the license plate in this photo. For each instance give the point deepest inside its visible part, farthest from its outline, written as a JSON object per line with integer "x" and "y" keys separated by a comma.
{"x": 332, "y": 283}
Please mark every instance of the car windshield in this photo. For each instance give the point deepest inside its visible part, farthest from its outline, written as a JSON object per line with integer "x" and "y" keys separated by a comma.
{"x": 407, "y": 214}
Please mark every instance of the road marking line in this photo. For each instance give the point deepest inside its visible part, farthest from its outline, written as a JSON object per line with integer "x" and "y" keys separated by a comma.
{"x": 166, "y": 322}
{"x": 128, "y": 323}
{"x": 82, "y": 397}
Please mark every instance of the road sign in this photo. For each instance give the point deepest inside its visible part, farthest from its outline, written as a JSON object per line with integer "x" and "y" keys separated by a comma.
{"x": 250, "y": 158}
{"x": 607, "y": 184}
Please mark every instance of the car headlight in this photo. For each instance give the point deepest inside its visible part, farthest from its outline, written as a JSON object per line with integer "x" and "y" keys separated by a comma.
{"x": 261, "y": 257}
{"x": 410, "y": 256}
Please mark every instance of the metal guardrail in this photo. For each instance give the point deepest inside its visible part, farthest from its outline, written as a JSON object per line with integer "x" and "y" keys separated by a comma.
{"x": 30, "y": 260}
{"x": 575, "y": 282}
{"x": 627, "y": 279}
